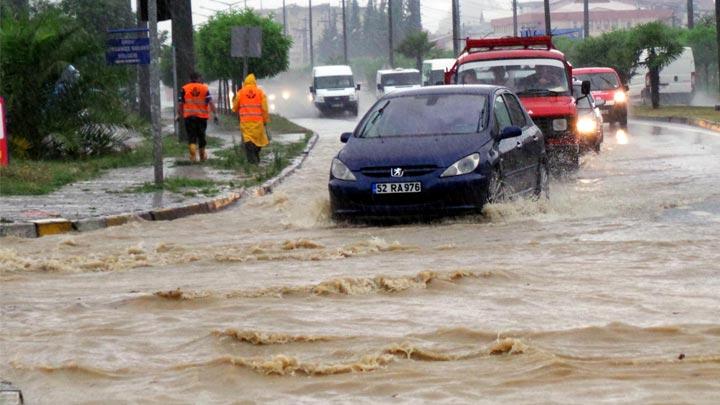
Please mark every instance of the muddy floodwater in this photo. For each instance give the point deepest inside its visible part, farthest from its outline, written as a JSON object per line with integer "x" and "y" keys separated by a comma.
{"x": 608, "y": 292}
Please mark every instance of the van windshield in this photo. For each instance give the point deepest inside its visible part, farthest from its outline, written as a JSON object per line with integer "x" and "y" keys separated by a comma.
{"x": 426, "y": 114}
{"x": 334, "y": 82}
{"x": 600, "y": 81}
{"x": 526, "y": 77}
{"x": 400, "y": 79}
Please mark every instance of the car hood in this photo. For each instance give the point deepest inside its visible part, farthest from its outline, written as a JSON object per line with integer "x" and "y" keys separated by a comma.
{"x": 402, "y": 151}
{"x": 552, "y": 106}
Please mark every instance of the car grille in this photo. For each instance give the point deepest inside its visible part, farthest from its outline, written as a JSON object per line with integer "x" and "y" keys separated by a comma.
{"x": 337, "y": 99}
{"x": 545, "y": 125}
{"x": 408, "y": 171}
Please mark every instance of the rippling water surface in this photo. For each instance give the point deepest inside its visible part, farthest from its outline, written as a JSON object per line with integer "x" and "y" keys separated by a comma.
{"x": 608, "y": 292}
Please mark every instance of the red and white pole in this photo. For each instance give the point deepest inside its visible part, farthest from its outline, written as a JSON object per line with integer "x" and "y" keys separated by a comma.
{"x": 4, "y": 158}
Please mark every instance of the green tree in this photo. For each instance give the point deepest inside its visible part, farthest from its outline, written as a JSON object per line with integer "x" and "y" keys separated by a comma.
{"x": 703, "y": 41}
{"x": 213, "y": 46}
{"x": 615, "y": 49}
{"x": 662, "y": 45}
{"x": 66, "y": 106}
{"x": 416, "y": 46}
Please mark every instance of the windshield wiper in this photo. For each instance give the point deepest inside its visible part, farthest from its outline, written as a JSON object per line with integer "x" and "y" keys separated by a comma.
{"x": 539, "y": 91}
{"x": 379, "y": 112}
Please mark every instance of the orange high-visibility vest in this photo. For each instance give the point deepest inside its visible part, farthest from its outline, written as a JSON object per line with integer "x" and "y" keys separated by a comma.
{"x": 250, "y": 106}
{"x": 195, "y": 103}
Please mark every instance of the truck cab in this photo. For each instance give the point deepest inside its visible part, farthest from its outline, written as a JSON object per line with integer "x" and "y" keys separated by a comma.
{"x": 389, "y": 80}
{"x": 539, "y": 74}
{"x": 333, "y": 89}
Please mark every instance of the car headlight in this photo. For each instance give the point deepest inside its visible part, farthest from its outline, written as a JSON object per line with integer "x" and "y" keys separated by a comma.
{"x": 271, "y": 97}
{"x": 586, "y": 125}
{"x": 340, "y": 171}
{"x": 352, "y": 97}
{"x": 560, "y": 124}
{"x": 285, "y": 95}
{"x": 319, "y": 99}
{"x": 620, "y": 96}
{"x": 463, "y": 166}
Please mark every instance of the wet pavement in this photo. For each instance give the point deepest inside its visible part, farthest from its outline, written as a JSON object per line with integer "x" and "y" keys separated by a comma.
{"x": 608, "y": 292}
{"x": 112, "y": 193}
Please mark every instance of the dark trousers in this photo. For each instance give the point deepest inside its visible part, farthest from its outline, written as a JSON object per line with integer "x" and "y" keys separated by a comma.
{"x": 252, "y": 152}
{"x": 196, "y": 127}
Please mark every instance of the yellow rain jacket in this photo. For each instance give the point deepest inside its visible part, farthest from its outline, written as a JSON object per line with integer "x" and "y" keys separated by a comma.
{"x": 251, "y": 105}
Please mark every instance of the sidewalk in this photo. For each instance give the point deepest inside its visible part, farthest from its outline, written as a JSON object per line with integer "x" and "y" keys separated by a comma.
{"x": 108, "y": 200}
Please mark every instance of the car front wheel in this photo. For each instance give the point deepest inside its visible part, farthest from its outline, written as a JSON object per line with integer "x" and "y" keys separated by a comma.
{"x": 498, "y": 189}
{"x": 542, "y": 187}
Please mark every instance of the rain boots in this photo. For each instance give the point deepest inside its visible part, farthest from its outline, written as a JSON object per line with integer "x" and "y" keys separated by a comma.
{"x": 192, "y": 148}
{"x": 203, "y": 154}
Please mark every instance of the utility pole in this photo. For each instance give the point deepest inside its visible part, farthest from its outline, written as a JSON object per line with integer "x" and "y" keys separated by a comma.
{"x": 515, "y": 18}
{"x": 390, "y": 35}
{"x": 344, "y": 25}
{"x": 182, "y": 39}
{"x": 586, "y": 18}
{"x": 717, "y": 24}
{"x": 310, "y": 23}
{"x": 456, "y": 26}
{"x": 691, "y": 14}
{"x": 285, "y": 30}
{"x": 548, "y": 27}
{"x": 304, "y": 32}
{"x": 143, "y": 72}
{"x": 155, "y": 93}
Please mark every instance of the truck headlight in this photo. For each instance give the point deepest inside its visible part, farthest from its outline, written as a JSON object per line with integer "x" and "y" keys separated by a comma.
{"x": 319, "y": 99}
{"x": 352, "y": 97}
{"x": 620, "y": 97}
{"x": 285, "y": 95}
{"x": 560, "y": 124}
{"x": 340, "y": 171}
{"x": 586, "y": 125}
{"x": 463, "y": 166}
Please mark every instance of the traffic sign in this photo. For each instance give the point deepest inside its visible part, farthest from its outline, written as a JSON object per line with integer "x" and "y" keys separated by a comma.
{"x": 3, "y": 138}
{"x": 128, "y": 51}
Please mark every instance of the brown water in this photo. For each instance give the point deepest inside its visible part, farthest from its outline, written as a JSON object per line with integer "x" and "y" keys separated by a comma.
{"x": 609, "y": 292}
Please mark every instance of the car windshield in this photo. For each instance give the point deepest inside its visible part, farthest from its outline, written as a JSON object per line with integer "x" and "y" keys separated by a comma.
{"x": 526, "y": 77}
{"x": 333, "y": 82}
{"x": 400, "y": 79}
{"x": 426, "y": 114}
{"x": 600, "y": 81}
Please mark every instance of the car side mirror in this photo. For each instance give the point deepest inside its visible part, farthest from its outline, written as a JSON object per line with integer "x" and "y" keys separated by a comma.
{"x": 510, "y": 132}
{"x": 380, "y": 87}
{"x": 357, "y": 87}
{"x": 345, "y": 136}
{"x": 312, "y": 89}
{"x": 585, "y": 88}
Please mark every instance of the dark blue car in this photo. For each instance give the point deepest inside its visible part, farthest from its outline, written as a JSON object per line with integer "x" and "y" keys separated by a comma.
{"x": 438, "y": 150}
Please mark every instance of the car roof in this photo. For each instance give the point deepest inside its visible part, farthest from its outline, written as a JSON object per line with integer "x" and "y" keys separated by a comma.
{"x": 479, "y": 89}
{"x": 332, "y": 70}
{"x": 591, "y": 70}
{"x": 397, "y": 70}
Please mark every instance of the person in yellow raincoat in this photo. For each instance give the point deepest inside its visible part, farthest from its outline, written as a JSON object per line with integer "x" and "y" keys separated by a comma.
{"x": 251, "y": 105}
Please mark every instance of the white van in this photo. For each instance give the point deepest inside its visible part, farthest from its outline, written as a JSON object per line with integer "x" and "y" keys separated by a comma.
{"x": 677, "y": 80}
{"x": 433, "y": 71}
{"x": 393, "y": 79}
{"x": 334, "y": 89}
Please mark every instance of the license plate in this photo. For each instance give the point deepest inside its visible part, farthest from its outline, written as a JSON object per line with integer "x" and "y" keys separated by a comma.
{"x": 396, "y": 188}
{"x": 334, "y": 105}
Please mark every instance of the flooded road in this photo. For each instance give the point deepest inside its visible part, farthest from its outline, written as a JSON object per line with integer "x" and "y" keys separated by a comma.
{"x": 609, "y": 292}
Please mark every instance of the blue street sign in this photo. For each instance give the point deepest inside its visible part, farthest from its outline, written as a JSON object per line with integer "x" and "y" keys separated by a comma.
{"x": 128, "y": 51}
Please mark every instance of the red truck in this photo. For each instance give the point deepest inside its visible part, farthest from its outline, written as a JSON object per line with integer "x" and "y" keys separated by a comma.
{"x": 540, "y": 75}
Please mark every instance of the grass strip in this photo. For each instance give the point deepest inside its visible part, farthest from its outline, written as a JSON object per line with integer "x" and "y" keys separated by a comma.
{"x": 706, "y": 113}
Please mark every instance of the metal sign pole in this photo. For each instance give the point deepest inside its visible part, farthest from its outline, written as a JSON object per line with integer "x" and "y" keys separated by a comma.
{"x": 155, "y": 94}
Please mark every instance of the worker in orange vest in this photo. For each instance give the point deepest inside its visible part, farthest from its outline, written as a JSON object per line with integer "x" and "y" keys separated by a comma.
{"x": 251, "y": 105}
{"x": 195, "y": 107}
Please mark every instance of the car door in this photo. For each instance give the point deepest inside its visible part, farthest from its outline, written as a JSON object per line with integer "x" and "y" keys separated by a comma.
{"x": 510, "y": 149}
{"x": 531, "y": 146}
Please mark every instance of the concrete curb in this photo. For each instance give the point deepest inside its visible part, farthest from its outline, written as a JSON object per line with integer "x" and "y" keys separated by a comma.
{"x": 53, "y": 226}
{"x": 694, "y": 122}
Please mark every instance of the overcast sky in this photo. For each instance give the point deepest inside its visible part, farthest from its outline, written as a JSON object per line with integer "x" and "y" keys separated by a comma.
{"x": 433, "y": 12}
